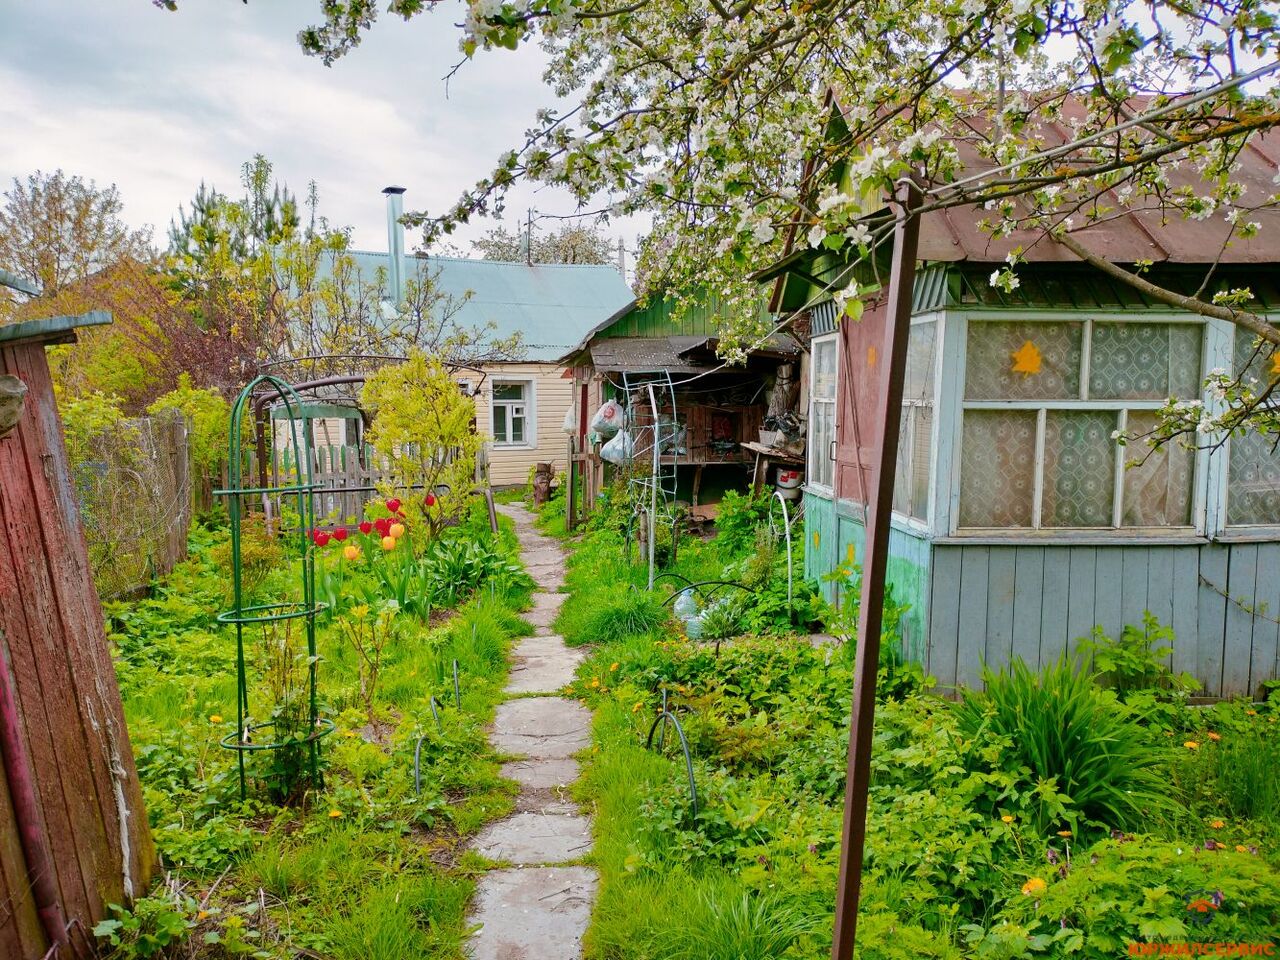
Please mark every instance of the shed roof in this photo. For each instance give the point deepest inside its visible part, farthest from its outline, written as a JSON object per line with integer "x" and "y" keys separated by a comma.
{"x": 1136, "y": 232}
{"x": 51, "y": 329}
{"x": 551, "y": 305}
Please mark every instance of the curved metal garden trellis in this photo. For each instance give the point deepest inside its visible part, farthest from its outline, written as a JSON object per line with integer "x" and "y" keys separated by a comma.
{"x": 245, "y": 738}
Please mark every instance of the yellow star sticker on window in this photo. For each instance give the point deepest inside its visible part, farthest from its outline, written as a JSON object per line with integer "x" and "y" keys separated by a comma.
{"x": 1027, "y": 359}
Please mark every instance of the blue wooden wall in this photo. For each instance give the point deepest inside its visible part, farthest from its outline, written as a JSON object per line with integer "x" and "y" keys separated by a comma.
{"x": 988, "y": 603}
{"x": 835, "y": 536}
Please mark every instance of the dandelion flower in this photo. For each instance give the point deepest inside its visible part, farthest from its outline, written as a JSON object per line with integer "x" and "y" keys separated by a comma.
{"x": 1034, "y": 887}
{"x": 1064, "y": 833}
{"x": 335, "y": 814}
{"x": 1191, "y": 745}
{"x": 1217, "y": 824}
{"x": 1241, "y": 848}
{"x": 215, "y": 718}
{"x": 637, "y": 708}
{"x": 1213, "y": 736}
{"x": 1007, "y": 818}
{"x": 613, "y": 667}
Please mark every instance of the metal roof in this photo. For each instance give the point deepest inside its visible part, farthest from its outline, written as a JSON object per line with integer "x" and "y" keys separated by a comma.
{"x": 642, "y": 355}
{"x": 1140, "y": 232}
{"x": 552, "y": 306}
{"x": 15, "y": 282}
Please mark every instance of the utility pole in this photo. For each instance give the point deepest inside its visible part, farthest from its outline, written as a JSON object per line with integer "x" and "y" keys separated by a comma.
{"x": 622, "y": 259}
{"x": 528, "y": 237}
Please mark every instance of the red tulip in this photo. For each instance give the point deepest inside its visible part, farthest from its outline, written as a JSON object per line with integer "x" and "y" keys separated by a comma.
{"x": 382, "y": 524}
{"x": 429, "y": 500}
{"x": 322, "y": 538}
{"x": 340, "y": 534}
{"x": 366, "y": 526}
{"x": 393, "y": 505}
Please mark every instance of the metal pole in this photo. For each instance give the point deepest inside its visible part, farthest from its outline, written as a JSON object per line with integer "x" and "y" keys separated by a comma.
{"x": 653, "y": 494}
{"x": 888, "y": 413}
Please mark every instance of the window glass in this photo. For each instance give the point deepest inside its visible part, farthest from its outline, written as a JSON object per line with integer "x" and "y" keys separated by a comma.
{"x": 911, "y": 478}
{"x": 1157, "y": 483}
{"x": 1023, "y": 360}
{"x": 822, "y": 412}
{"x": 508, "y": 391}
{"x": 1145, "y": 361}
{"x": 500, "y": 424}
{"x": 1079, "y": 468}
{"x": 997, "y": 468}
{"x": 1253, "y": 471}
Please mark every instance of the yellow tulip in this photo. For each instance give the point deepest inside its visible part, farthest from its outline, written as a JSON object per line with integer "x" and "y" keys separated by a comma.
{"x": 397, "y": 530}
{"x": 388, "y": 543}
{"x": 351, "y": 552}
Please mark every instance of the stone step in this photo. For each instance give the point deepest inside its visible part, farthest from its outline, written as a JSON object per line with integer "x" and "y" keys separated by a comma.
{"x": 557, "y": 834}
{"x": 542, "y": 664}
{"x": 545, "y": 774}
{"x": 533, "y": 913}
{"x": 541, "y": 727}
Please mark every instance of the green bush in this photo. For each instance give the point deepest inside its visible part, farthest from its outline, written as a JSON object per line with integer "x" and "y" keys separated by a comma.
{"x": 1141, "y": 889}
{"x": 1066, "y": 739}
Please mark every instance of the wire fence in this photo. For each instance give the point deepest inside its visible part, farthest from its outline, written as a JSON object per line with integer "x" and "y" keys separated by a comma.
{"x": 133, "y": 483}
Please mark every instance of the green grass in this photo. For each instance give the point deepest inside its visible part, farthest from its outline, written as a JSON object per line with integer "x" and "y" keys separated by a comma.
{"x": 360, "y": 871}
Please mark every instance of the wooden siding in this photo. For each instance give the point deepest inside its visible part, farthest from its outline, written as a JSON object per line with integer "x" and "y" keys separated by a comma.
{"x": 553, "y": 396}
{"x": 988, "y": 603}
{"x": 68, "y": 700}
{"x": 836, "y": 536}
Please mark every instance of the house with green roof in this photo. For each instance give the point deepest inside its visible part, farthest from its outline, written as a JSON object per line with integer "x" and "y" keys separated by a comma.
{"x": 522, "y": 402}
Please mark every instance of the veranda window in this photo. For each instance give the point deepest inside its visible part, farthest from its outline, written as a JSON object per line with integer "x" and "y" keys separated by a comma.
{"x": 915, "y": 442}
{"x": 1253, "y": 470}
{"x": 510, "y": 413}
{"x": 1043, "y": 401}
{"x": 822, "y": 412}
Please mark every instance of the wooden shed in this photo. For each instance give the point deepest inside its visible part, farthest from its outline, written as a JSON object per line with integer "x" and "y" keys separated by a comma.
{"x": 73, "y": 832}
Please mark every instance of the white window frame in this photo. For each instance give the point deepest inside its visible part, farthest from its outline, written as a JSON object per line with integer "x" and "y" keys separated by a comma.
{"x": 1197, "y": 526}
{"x": 923, "y": 525}
{"x": 530, "y": 440}
{"x": 834, "y": 402}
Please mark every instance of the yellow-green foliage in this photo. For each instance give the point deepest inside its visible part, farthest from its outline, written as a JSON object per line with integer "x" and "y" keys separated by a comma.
{"x": 420, "y": 414}
{"x": 84, "y": 418}
{"x": 209, "y": 415}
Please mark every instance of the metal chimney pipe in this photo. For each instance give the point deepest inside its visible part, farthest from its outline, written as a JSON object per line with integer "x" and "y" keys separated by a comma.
{"x": 395, "y": 243}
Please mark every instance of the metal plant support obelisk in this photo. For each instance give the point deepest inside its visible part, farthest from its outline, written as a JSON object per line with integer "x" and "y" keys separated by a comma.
{"x": 245, "y": 739}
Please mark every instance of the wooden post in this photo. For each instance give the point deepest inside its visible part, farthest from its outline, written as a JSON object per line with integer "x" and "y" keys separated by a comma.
{"x": 879, "y": 509}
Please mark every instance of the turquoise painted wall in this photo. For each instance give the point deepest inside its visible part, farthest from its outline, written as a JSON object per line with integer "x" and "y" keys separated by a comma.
{"x": 835, "y": 536}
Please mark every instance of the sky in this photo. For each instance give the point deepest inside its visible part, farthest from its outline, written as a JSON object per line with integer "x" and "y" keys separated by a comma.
{"x": 119, "y": 91}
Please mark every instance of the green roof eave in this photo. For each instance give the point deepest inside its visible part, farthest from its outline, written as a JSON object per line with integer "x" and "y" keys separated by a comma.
{"x": 15, "y": 282}
{"x": 53, "y": 329}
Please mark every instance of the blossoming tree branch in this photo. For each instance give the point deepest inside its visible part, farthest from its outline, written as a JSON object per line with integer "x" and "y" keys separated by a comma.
{"x": 749, "y": 128}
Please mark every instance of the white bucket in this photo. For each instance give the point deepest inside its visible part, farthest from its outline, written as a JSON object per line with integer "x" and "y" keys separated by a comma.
{"x": 789, "y": 478}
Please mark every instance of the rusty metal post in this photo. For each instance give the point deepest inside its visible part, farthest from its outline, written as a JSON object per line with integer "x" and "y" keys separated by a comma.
{"x": 906, "y": 237}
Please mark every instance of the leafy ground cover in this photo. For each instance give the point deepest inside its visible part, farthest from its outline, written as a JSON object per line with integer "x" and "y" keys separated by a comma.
{"x": 368, "y": 867}
{"x": 1061, "y": 814}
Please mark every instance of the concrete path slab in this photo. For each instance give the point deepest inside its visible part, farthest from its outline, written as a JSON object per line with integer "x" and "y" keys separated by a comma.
{"x": 542, "y": 664}
{"x": 554, "y": 836}
{"x": 541, "y": 727}
{"x": 544, "y": 774}
{"x": 532, "y": 914}
{"x": 546, "y": 607}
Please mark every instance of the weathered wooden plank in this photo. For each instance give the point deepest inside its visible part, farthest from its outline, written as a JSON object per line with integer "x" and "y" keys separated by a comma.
{"x": 1081, "y": 593}
{"x": 1160, "y": 587}
{"x": 1001, "y": 589}
{"x": 1211, "y": 617}
{"x": 1107, "y": 585}
{"x": 1028, "y": 603}
{"x": 1237, "y": 649}
{"x": 972, "y": 628}
{"x": 21, "y": 935}
{"x": 944, "y": 614}
{"x": 1135, "y": 573}
{"x": 1266, "y": 623}
{"x": 1055, "y": 604}
{"x": 1186, "y": 592}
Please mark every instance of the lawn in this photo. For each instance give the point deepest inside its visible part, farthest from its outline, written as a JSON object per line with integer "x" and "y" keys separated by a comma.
{"x": 1064, "y": 814}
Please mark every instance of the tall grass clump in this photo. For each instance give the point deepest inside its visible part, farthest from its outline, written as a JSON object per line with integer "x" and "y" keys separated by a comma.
{"x": 1072, "y": 750}
{"x": 1243, "y": 771}
{"x": 634, "y": 614}
{"x": 724, "y": 921}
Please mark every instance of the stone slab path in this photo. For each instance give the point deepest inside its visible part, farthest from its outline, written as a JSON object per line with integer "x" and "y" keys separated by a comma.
{"x": 539, "y": 907}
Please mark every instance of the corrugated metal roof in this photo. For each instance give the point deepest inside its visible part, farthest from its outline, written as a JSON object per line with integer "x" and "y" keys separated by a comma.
{"x": 52, "y": 329}
{"x": 1140, "y": 232}
{"x": 552, "y": 306}
{"x": 641, "y": 355}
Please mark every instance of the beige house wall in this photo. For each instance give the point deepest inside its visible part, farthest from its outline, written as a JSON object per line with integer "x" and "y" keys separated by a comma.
{"x": 549, "y": 397}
